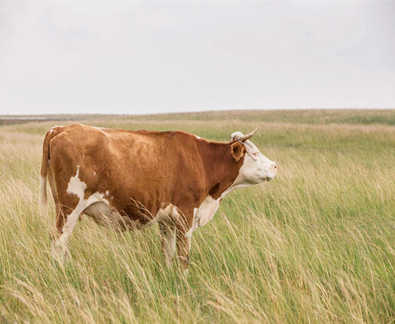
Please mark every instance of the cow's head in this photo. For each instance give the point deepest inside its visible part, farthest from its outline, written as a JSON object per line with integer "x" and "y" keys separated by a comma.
{"x": 256, "y": 167}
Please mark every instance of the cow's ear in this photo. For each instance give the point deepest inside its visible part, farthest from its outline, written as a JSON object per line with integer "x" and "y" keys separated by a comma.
{"x": 237, "y": 150}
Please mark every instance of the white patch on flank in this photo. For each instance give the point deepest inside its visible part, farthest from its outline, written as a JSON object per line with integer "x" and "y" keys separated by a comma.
{"x": 75, "y": 187}
{"x": 198, "y": 137}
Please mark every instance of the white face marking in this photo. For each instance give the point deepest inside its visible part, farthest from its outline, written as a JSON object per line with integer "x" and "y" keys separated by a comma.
{"x": 256, "y": 167}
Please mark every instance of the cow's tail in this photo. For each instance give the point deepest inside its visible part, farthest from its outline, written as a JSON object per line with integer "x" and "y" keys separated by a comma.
{"x": 44, "y": 170}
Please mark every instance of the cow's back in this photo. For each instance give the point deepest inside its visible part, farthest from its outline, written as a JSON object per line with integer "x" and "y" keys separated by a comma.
{"x": 150, "y": 168}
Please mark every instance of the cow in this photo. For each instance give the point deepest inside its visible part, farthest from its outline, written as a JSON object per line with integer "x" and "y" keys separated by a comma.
{"x": 129, "y": 179}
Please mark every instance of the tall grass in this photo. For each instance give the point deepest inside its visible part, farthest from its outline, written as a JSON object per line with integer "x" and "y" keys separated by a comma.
{"x": 314, "y": 245}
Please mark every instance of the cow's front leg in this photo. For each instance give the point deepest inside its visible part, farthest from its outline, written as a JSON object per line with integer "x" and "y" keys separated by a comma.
{"x": 168, "y": 240}
{"x": 184, "y": 236}
{"x": 183, "y": 248}
{"x": 182, "y": 222}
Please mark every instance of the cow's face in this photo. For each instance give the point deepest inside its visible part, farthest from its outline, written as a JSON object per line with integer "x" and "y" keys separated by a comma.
{"x": 256, "y": 167}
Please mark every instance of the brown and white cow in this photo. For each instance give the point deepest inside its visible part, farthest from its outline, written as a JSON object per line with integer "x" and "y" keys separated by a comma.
{"x": 127, "y": 179}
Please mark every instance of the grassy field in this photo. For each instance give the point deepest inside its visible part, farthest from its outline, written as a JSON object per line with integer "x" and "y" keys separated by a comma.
{"x": 316, "y": 245}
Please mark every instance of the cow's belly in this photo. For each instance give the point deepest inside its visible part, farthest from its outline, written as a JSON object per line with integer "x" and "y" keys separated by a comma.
{"x": 105, "y": 215}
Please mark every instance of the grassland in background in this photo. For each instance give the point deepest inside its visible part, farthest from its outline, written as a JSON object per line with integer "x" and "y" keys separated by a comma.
{"x": 315, "y": 245}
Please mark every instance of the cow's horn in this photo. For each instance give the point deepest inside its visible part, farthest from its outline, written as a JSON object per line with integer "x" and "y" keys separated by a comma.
{"x": 248, "y": 136}
{"x": 244, "y": 137}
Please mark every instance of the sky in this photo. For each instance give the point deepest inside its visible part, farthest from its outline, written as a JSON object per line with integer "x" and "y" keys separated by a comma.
{"x": 135, "y": 57}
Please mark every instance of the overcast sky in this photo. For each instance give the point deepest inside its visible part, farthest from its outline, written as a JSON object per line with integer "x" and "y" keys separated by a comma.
{"x": 91, "y": 56}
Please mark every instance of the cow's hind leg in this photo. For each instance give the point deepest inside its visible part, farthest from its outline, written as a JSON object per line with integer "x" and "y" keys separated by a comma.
{"x": 59, "y": 246}
{"x": 60, "y": 212}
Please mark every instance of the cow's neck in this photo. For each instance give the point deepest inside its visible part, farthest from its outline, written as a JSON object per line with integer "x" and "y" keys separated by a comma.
{"x": 220, "y": 167}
